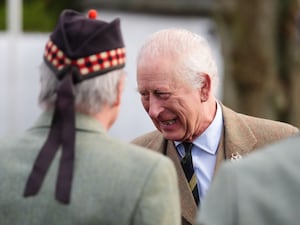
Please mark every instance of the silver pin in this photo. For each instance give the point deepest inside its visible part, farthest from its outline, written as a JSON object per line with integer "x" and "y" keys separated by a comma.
{"x": 235, "y": 156}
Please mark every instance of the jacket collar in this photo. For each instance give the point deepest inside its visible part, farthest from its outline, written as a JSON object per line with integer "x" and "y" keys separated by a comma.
{"x": 238, "y": 136}
{"x": 188, "y": 205}
{"x": 82, "y": 122}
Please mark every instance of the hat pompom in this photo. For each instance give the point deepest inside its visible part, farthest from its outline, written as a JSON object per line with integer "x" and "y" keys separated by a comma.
{"x": 92, "y": 14}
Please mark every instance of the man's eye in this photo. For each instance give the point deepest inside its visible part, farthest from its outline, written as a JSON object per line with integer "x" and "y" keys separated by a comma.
{"x": 144, "y": 95}
{"x": 163, "y": 95}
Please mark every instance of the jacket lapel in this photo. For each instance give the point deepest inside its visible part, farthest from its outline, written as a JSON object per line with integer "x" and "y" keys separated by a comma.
{"x": 188, "y": 205}
{"x": 237, "y": 137}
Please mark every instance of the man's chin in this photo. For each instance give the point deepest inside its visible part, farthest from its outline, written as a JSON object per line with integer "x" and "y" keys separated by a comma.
{"x": 172, "y": 136}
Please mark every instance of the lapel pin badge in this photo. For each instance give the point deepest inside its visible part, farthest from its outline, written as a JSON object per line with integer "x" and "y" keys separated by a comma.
{"x": 235, "y": 156}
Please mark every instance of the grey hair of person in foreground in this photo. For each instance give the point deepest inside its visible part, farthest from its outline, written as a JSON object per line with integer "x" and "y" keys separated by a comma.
{"x": 191, "y": 50}
{"x": 90, "y": 95}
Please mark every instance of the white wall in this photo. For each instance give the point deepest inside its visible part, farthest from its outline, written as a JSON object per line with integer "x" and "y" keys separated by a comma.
{"x": 19, "y": 84}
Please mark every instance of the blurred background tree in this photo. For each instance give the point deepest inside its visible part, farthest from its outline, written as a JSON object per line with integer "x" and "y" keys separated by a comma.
{"x": 261, "y": 49}
{"x": 2, "y": 15}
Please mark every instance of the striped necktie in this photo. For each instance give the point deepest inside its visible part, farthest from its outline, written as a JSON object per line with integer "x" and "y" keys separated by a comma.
{"x": 187, "y": 165}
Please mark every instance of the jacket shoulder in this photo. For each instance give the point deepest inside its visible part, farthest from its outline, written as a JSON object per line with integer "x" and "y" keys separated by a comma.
{"x": 263, "y": 129}
{"x": 269, "y": 128}
{"x": 153, "y": 140}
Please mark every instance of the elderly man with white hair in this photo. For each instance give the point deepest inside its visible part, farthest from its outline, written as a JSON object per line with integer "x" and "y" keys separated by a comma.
{"x": 177, "y": 80}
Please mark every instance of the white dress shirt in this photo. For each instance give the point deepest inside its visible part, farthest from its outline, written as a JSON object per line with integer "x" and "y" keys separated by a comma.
{"x": 204, "y": 152}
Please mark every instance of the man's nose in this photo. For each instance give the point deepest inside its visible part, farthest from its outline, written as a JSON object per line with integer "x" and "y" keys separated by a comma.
{"x": 155, "y": 107}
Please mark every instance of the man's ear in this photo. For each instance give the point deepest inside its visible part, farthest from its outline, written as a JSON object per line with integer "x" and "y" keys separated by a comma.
{"x": 206, "y": 87}
{"x": 120, "y": 89}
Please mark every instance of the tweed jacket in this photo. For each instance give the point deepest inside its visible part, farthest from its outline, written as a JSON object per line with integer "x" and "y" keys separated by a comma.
{"x": 241, "y": 135}
{"x": 114, "y": 182}
{"x": 271, "y": 179}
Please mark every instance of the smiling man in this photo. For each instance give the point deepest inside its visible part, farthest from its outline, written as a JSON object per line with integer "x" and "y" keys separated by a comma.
{"x": 177, "y": 78}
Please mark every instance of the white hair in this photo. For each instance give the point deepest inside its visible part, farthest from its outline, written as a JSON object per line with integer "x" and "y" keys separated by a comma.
{"x": 90, "y": 95}
{"x": 190, "y": 51}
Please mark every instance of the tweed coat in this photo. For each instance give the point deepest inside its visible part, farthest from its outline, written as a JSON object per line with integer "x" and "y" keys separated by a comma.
{"x": 241, "y": 135}
{"x": 114, "y": 182}
{"x": 261, "y": 189}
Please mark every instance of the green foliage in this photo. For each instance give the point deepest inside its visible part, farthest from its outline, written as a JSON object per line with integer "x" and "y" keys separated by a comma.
{"x": 38, "y": 15}
{"x": 2, "y": 15}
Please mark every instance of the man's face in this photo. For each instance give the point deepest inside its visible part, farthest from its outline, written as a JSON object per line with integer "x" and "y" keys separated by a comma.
{"x": 173, "y": 105}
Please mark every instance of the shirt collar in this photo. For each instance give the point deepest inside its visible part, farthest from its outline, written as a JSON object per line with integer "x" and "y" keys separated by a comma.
{"x": 209, "y": 140}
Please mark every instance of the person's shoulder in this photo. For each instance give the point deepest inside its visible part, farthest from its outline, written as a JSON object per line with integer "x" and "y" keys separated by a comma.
{"x": 143, "y": 159}
{"x": 139, "y": 151}
{"x": 269, "y": 123}
{"x": 6, "y": 144}
{"x": 268, "y": 129}
{"x": 273, "y": 157}
{"x": 148, "y": 138}
{"x": 262, "y": 127}
{"x": 257, "y": 120}
{"x": 11, "y": 141}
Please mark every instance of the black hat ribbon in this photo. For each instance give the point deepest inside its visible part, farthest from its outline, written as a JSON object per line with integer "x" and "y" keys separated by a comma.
{"x": 62, "y": 133}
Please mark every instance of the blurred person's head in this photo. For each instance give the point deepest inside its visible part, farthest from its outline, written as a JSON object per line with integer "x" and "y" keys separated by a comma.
{"x": 177, "y": 78}
{"x": 90, "y": 96}
{"x": 88, "y": 55}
